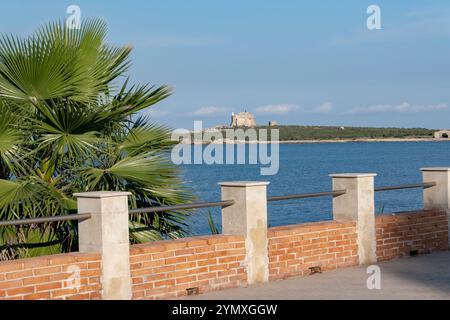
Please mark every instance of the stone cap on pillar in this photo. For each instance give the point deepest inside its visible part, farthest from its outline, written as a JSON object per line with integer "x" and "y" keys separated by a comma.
{"x": 352, "y": 175}
{"x": 101, "y": 194}
{"x": 243, "y": 183}
{"x": 436, "y": 169}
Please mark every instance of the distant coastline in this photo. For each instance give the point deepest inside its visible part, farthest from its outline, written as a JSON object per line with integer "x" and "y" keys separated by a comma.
{"x": 365, "y": 140}
{"x": 225, "y": 141}
{"x": 315, "y": 134}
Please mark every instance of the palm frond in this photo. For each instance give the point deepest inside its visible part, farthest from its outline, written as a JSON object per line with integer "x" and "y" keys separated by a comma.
{"x": 145, "y": 137}
{"x": 68, "y": 125}
{"x": 11, "y": 141}
{"x": 60, "y": 62}
{"x": 129, "y": 101}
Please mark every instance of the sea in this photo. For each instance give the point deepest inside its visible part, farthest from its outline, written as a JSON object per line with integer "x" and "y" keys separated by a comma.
{"x": 305, "y": 168}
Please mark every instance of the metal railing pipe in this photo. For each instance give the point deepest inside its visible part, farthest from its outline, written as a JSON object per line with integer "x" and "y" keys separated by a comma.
{"x": 71, "y": 217}
{"x": 307, "y": 195}
{"x": 199, "y": 205}
{"x": 406, "y": 186}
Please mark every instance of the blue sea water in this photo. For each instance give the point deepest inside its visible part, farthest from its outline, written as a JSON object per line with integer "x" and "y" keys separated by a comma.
{"x": 304, "y": 168}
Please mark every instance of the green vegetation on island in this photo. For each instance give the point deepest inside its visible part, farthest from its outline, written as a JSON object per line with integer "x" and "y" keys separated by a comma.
{"x": 292, "y": 133}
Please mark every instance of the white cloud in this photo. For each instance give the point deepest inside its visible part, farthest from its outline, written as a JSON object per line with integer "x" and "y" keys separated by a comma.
{"x": 209, "y": 111}
{"x": 401, "y": 108}
{"x": 279, "y": 109}
{"x": 323, "y": 108}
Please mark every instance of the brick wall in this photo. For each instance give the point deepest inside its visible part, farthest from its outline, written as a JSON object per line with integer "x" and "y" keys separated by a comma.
{"x": 51, "y": 277}
{"x": 424, "y": 231}
{"x": 165, "y": 269}
{"x": 294, "y": 249}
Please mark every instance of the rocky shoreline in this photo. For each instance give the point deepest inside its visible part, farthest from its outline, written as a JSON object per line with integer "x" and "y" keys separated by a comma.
{"x": 228, "y": 141}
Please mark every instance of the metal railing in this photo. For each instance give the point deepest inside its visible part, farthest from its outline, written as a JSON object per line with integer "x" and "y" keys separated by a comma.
{"x": 198, "y": 205}
{"x": 336, "y": 193}
{"x": 406, "y": 186}
{"x": 307, "y": 195}
{"x": 225, "y": 203}
{"x": 71, "y": 217}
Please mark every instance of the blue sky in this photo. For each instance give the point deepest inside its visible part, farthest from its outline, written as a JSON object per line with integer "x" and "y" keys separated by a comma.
{"x": 296, "y": 62}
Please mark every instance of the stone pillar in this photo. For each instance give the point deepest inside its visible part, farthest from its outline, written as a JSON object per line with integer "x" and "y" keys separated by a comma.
{"x": 248, "y": 217}
{"x": 437, "y": 197}
{"x": 358, "y": 204}
{"x": 107, "y": 233}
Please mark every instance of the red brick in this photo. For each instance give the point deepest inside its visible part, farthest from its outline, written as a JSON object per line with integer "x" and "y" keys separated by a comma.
{"x": 286, "y": 257}
{"x": 47, "y": 270}
{"x": 156, "y": 277}
{"x": 196, "y": 242}
{"x": 137, "y": 280}
{"x": 181, "y": 273}
{"x": 63, "y": 292}
{"x": 162, "y": 255}
{"x": 230, "y": 259}
{"x": 216, "y": 239}
{"x": 140, "y": 258}
{"x": 218, "y": 267}
{"x": 186, "y": 265}
{"x": 153, "y": 263}
{"x": 175, "y": 260}
{"x": 224, "y": 246}
{"x": 59, "y": 276}
{"x": 59, "y": 259}
{"x": 183, "y": 252}
{"x": 185, "y": 279}
{"x": 226, "y": 273}
{"x": 203, "y": 249}
{"x": 36, "y": 280}
{"x": 88, "y": 273}
{"x": 80, "y": 296}
{"x": 207, "y": 262}
{"x": 48, "y": 286}
{"x": 138, "y": 295}
{"x": 9, "y": 266}
{"x": 335, "y": 249}
{"x": 37, "y": 262}
{"x": 198, "y": 270}
{"x": 207, "y": 276}
{"x": 143, "y": 286}
{"x": 175, "y": 244}
{"x": 21, "y": 291}
{"x": 37, "y": 296}
{"x": 146, "y": 248}
{"x": 11, "y": 284}
{"x": 168, "y": 268}
{"x": 164, "y": 283}
{"x": 94, "y": 265}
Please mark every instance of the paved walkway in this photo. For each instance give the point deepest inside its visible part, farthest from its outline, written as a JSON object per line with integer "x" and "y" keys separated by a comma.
{"x": 422, "y": 277}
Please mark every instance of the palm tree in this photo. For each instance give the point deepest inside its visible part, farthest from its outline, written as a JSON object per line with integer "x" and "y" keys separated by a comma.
{"x": 69, "y": 122}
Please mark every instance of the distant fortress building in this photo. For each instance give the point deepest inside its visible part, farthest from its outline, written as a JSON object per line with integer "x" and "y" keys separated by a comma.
{"x": 243, "y": 119}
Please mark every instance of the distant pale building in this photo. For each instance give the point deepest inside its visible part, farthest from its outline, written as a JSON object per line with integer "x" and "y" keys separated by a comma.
{"x": 442, "y": 134}
{"x": 273, "y": 123}
{"x": 243, "y": 119}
